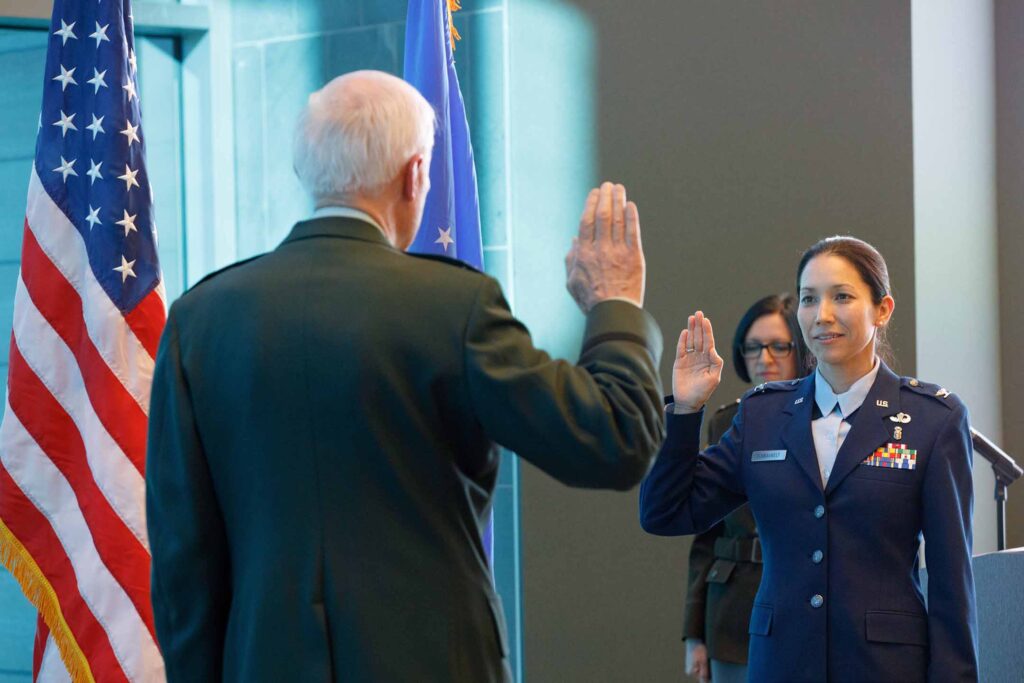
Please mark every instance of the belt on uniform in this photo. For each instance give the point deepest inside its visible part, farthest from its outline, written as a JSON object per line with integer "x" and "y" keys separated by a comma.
{"x": 739, "y": 549}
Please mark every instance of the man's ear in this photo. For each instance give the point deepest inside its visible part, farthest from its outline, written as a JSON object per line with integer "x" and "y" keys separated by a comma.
{"x": 414, "y": 174}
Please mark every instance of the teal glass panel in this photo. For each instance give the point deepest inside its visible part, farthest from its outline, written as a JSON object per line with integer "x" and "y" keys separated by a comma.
{"x": 22, "y": 55}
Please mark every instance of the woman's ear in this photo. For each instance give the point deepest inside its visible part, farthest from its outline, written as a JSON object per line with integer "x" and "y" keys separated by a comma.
{"x": 885, "y": 309}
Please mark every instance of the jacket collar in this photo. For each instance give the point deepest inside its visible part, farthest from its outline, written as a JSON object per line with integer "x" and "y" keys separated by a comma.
{"x": 870, "y": 428}
{"x": 336, "y": 226}
{"x": 796, "y": 430}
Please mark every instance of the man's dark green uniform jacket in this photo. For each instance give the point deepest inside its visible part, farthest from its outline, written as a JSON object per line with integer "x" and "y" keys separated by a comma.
{"x": 322, "y": 458}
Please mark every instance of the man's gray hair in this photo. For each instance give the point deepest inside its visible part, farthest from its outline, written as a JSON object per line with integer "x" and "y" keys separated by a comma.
{"x": 356, "y": 132}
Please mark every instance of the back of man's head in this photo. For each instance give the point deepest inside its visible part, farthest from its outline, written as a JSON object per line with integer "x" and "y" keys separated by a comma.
{"x": 357, "y": 132}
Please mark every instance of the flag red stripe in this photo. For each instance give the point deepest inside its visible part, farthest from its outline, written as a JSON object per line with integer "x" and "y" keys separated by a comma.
{"x": 147, "y": 321}
{"x": 61, "y": 305}
{"x": 57, "y": 435}
{"x": 34, "y": 532}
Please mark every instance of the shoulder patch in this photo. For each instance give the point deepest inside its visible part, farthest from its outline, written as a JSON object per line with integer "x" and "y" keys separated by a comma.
{"x": 933, "y": 391}
{"x": 446, "y": 259}
{"x": 210, "y": 276}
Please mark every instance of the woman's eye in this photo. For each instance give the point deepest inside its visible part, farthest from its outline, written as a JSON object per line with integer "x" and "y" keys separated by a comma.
{"x": 843, "y": 296}
{"x": 806, "y": 299}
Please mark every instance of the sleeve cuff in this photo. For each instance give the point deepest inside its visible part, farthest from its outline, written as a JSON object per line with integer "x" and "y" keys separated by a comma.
{"x": 684, "y": 428}
{"x": 615, "y": 320}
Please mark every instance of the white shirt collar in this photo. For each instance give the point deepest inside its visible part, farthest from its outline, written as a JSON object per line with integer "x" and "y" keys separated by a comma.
{"x": 347, "y": 212}
{"x": 849, "y": 400}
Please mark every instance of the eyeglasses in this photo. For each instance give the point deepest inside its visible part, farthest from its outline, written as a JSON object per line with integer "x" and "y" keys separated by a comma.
{"x": 776, "y": 349}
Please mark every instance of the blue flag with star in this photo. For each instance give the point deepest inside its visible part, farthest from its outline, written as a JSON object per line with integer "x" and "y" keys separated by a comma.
{"x": 451, "y": 218}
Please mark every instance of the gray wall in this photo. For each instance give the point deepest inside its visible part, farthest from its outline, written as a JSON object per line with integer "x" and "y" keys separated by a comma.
{"x": 1009, "y": 32}
{"x": 745, "y": 131}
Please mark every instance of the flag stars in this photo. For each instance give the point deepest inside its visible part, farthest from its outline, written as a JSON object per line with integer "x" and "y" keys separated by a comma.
{"x": 131, "y": 60}
{"x": 65, "y": 32}
{"x": 94, "y": 171}
{"x": 125, "y": 269}
{"x": 96, "y": 126}
{"x": 129, "y": 87}
{"x": 65, "y": 123}
{"x": 66, "y": 168}
{"x": 129, "y": 178}
{"x": 131, "y": 132}
{"x": 445, "y": 238}
{"x": 65, "y": 78}
{"x": 128, "y": 223}
{"x": 100, "y": 34}
{"x": 93, "y": 219}
{"x": 97, "y": 80}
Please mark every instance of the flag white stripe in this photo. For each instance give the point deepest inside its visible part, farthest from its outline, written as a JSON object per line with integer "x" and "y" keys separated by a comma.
{"x": 55, "y": 365}
{"x": 52, "y": 669}
{"x": 44, "y": 485}
{"x": 120, "y": 349}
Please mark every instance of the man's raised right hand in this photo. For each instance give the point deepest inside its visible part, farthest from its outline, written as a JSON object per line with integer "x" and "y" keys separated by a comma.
{"x": 606, "y": 260}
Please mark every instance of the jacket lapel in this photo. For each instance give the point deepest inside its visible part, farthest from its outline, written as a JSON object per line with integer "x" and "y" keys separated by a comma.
{"x": 796, "y": 430}
{"x": 871, "y": 426}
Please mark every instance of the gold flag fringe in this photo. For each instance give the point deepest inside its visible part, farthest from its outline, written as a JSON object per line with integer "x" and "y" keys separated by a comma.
{"x": 453, "y": 6}
{"x": 40, "y": 593}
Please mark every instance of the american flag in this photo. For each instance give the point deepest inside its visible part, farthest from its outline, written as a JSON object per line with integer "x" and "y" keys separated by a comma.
{"x": 88, "y": 312}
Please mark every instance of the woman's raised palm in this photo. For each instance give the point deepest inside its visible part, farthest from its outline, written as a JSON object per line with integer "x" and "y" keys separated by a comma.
{"x": 697, "y": 370}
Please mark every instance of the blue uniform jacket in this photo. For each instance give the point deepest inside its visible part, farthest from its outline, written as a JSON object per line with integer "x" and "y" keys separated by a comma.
{"x": 840, "y": 598}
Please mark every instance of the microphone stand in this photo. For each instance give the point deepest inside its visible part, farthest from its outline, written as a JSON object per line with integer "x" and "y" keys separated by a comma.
{"x": 1006, "y": 470}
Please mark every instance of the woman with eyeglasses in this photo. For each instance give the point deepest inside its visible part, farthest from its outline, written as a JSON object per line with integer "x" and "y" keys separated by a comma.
{"x": 845, "y": 470}
{"x": 725, "y": 561}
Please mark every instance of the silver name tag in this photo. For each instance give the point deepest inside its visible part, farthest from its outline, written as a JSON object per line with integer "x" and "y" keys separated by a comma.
{"x": 767, "y": 456}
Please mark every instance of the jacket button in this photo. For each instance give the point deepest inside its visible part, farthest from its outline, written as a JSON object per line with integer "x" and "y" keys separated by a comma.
{"x": 819, "y": 511}
{"x": 817, "y": 556}
{"x": 817, "y": 601}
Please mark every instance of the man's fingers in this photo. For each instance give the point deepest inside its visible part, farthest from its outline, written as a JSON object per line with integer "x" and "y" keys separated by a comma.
{"x": 618, "y": 230}
{"x": 588, "y": 217}
{"x": 603, "y": 224}
{"x": 632, "y": 235}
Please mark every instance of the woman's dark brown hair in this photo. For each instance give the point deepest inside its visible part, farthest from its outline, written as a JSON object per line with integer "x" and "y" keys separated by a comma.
{"x": 871, "y": 267}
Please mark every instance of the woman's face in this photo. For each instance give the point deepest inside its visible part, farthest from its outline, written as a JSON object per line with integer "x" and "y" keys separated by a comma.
{"x": 837, "y": 315}
{"x": 765, "y": 367}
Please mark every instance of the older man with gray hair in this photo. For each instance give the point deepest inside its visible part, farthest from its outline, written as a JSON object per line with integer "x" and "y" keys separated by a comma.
{"x": 323, "y": 421}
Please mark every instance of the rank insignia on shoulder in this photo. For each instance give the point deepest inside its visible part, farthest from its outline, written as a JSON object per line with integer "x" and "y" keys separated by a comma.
{"x": 913, "y": 382}
{"x": 894, "y": 456}
{"x": 942, "y": 392}
{"x": 760, "y": 387}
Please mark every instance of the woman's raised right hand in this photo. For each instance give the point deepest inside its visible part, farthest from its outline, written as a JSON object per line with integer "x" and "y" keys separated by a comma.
{"x": 697, "y": 370}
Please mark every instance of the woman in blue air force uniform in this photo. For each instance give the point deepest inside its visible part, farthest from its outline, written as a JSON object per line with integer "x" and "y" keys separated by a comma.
{"x": 844, "y": 470}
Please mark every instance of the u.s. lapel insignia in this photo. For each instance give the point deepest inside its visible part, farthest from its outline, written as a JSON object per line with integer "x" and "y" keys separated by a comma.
{"x": 882, "y": 404}
{"x": 902, "y": 418}
{"x": 798, "y": 401}
{"x": 894, "y": 456}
